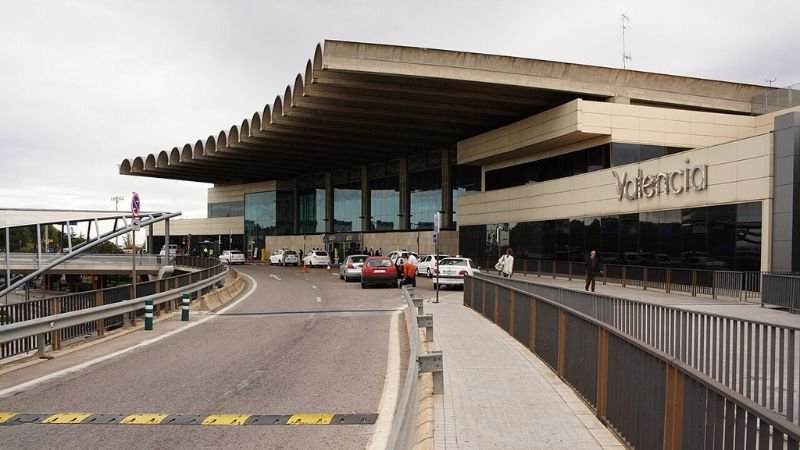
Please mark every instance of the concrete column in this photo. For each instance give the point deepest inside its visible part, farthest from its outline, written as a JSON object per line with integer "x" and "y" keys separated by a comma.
{"x": 166, "y": 260}
{"x": 150, "y": 240}
{"x": 785, "y": 208}
{"x": 295, "y": 209}
{"x": 405, "y": 197}
{"x": 366, "y": 201}
{"x": 328, "y": 203}
{"x": 447, "y": 190}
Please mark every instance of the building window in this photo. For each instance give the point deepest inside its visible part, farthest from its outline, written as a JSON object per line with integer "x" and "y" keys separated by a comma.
{"x": 347, "y": 207}
{"x": 259, "y": 218}
{"x": 311, "y": 204}
{"x": 426, "y": 197}
{"x": 384, "y": 194}
{"x": 226, "y": 209}
{"x": 466, "y": 180}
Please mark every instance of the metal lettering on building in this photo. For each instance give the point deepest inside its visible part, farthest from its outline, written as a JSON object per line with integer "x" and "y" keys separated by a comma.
{"x": 674, "y": 182}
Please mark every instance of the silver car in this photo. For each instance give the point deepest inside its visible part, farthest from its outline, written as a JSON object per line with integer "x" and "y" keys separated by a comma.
{"x": 350, "y": 269}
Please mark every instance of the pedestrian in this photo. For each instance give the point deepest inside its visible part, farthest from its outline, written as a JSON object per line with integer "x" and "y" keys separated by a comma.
{"x": 371, "y": 252}
{"x": 505, "y": 265}
{"x": 592, "y": 269}
{"x": 379, "y": 252}
{"x": 412, "y": 258}
{"x": 300, "y": 252}
{"x": 409, "y": 274}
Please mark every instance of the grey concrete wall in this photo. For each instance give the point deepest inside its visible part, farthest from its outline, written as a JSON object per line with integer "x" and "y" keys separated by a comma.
{"x": 786, "y": 210}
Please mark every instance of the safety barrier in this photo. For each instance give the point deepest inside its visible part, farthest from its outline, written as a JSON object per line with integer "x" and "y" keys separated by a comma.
{"x": 47, "y": 307}
{"x": 403, "y": 427}
{"x": 690, "y": 281}
{"x": 782, "y": 290}
{"x": 651, "y": 399}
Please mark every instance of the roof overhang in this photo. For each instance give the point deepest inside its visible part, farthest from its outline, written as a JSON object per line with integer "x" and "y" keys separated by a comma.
{"x": 357, "y": 104}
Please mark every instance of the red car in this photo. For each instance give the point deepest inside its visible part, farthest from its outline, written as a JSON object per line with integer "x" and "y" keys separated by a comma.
{"x": 378, "y": 270}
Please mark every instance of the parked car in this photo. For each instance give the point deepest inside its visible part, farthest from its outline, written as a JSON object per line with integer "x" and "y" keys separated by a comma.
{"x": 378, "y": 270}
{"x": 173, "y": 250}
{"x": 317, "y": 258}
{"x": 399, "y": 257}
{"x": 284, "y": 257}
{"x": 231, "y": 257}
{"x": 350, "y": 269}
{"x": 453, "y": 270}
{"x": 427, "y": 264}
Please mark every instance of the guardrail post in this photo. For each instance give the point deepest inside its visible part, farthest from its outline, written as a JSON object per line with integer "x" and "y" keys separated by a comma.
{"x": 100, "y": 324}
{"x": 418, "y": 304}
{"x": 148, "y": 314}
{"x": 56, "y": 338}
{"x": 432, "y": 363}
{"x": 41, "y": 343}
{"x": 426, "y": 322}
{"x": 185, "y": 299}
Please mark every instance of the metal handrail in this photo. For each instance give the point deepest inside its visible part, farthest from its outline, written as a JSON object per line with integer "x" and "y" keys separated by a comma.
{"x": 401, "y": 436}
{"x": 55, "y": 322}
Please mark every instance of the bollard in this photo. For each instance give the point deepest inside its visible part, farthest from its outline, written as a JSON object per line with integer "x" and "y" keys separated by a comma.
{"x": 148, "y": 315}
{"x": 185, "y": 307}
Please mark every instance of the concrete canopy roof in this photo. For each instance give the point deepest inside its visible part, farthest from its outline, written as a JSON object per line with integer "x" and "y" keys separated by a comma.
{"x": 359, "y": 103}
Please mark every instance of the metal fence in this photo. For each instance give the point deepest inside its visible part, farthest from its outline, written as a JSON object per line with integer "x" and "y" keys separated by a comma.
{"x": 649, "y": 398}
{"x": 782, "y": 290}
{"x": 756, "y": 359}
{"x": 738, "y": 285}
{"x": 44, "y": 307}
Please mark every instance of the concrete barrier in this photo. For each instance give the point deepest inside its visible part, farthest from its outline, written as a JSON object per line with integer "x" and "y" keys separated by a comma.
{"x": 218, "y": 297}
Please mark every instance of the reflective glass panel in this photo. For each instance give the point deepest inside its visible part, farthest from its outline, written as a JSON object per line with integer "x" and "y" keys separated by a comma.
{"x": 385, "y": 203}
{"x": 347, "y": 207}
{"x": 425, "y": 189}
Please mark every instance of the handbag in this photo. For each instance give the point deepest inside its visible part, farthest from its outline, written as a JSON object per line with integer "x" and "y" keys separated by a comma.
{"x": 499, "y": 266}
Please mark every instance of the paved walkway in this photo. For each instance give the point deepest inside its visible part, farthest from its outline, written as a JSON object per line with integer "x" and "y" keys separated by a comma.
{"x": 500, "y": 395}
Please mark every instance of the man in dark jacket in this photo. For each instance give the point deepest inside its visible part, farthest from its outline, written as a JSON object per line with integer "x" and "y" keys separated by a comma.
{"x": 592, "y": 269}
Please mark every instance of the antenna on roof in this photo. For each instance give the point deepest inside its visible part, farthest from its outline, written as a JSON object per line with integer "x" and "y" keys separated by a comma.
{"x": 626, "y": 55}
{"x": 771, "y": 80}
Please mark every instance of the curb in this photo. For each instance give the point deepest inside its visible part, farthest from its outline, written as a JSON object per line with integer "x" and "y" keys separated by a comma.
{"x": 423, "y": 434}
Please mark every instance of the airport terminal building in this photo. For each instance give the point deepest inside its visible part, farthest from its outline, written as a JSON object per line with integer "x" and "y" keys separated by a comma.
{"x": 552, "y": 159}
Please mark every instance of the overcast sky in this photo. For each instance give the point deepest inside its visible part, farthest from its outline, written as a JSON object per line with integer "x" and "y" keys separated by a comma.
{"x": 84, "y": 84}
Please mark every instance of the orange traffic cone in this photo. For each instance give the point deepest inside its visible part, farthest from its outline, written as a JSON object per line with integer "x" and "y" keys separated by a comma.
{"x": 305, "y": 267}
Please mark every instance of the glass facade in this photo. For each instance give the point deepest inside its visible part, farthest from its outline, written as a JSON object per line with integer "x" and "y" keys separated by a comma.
{"x": 384, "y": 203}
{"x": 347, "y": 207}
{"x": 721, "y": 237}
{"x": 266, "y": 214}
{"x": 575, "y": 163}
{"x": 226, "y": 209}
{"x": 465, "y": 180}
{"x": 426, "y": 197}
{"x": 311, "y": 205}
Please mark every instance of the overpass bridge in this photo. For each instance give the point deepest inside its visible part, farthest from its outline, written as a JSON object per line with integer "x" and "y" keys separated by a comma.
{"x": 90, "y": 263}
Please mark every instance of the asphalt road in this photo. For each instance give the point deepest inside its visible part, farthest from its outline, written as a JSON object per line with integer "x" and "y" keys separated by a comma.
{"x": 300, "y": 343}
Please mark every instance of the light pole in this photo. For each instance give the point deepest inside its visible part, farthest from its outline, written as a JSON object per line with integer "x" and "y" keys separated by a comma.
{"x": 116, "y": 199}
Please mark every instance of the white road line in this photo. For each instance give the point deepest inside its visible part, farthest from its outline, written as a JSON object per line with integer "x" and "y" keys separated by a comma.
{"x": 275, "y": 276}
{"x": 391, "y": 389}
{"x": 28, "y": 384}
{"x": 313, "y": 286}
{"x": 319, "y": 300}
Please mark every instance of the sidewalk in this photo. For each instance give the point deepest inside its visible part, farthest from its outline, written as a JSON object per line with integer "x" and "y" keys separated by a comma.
{"x": 500, "y": 395}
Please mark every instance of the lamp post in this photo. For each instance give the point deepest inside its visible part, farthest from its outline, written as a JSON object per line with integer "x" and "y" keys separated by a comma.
{"x": 116, "y": 199}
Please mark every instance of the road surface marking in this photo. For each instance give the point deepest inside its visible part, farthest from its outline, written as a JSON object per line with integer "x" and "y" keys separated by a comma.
{"x": 28, "y": 384}
{"x": 12, "y": 418}
{"x": 275, "y": 276}
{"x": 319, "y": 299}
{"x": 313, "y": 286}
{"x": 391, "y": 389}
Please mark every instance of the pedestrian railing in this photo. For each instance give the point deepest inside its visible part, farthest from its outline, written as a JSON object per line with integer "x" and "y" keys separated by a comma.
{"x": 46, "y": 307}
{"x": 782, "y": 290}
{"x": 651, "y": 398}
{"x": 739, "y": 285}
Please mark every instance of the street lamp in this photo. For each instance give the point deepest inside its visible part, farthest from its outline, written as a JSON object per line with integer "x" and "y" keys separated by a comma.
{"x": 116, "y": 199}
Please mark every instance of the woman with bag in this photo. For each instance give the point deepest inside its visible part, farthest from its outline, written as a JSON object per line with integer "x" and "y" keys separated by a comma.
{"x": 505, "y": 266}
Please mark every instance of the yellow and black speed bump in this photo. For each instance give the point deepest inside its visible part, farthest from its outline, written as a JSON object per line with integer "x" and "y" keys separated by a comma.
{"x": 82, "y": 418}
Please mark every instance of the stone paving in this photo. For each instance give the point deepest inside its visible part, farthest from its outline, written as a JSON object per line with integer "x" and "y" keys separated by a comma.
{"x": 500, "y": 395}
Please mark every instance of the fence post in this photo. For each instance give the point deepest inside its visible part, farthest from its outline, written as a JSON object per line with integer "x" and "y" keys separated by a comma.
{"x": 673, "y": 409}
{"x": 539, "y": 268}
{"x": 100, "y": 324}
{"x": 694, "y": 283}
{"x": 669, "y": 279}
{"x": 624, "y": 274}
{"x": 497, "y": 305}
{"x": 562, "y": 341}
{"x": 605, "y": 274}
{"x": 644, "y": 279}
{"x": 483, "y": 298}
{"x": 602, "y": 373}
{"x": 511, "y": 305}
{"x": 532, "y": 339}
{"x": 525, "y": 268}
{"x": 569, "y": 277}
{"x": 554, "y": 269}
{"x": 56, "y": 339}
{"x": 714, "y": 285}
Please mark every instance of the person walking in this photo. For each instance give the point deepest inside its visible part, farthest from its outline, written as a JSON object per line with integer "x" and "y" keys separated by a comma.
{"x": 409, "y": 274}
{"x": 592, "y": 269}
{"x": 505, "y": 266}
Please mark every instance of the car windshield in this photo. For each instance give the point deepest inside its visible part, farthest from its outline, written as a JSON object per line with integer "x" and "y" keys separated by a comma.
{"x": 235, "y": 252}
{"x": 290, "y": 252}
{"x": 321, "y": 253}
{"x": 379, "y": 263}
{"x": 357, "y": 259}
{"x": 453, "y": 262}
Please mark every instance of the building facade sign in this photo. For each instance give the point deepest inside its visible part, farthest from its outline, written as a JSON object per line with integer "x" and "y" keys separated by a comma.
{"x": 674, "y": 182}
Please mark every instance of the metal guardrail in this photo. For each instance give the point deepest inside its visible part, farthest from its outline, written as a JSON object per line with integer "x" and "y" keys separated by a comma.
{"x": 781, "y": 290}
{"x": 404, "y": 425}
{"x": 755, "y": 359}
{"x": 649, "y": 398}
{"x": 48, "y": 307}
{"x": 691, "y": 281}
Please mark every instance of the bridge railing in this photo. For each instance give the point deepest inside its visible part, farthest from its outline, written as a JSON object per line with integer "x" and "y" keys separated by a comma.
{"x": 648, "y": 396}
{"x": 51, "y": 306}
{"x": 782, "y": 290}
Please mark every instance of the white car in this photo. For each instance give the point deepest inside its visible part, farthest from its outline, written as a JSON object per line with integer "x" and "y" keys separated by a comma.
{"x": 231, "y": 257}
{"x": 284, "y": 258}
{"x": 453, "y": 270}
{"x": 317, "y": 258}
{"x": 400, "y": 254}
{"x": 427, "y": 264}
{"x": 350, "y": 269}
{"x": 173, "y": 249}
